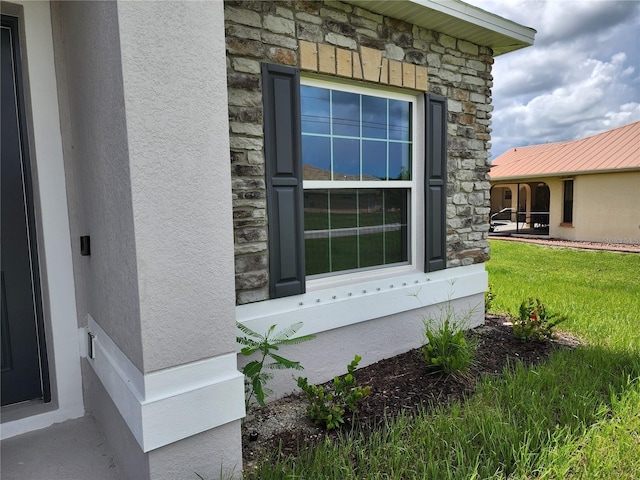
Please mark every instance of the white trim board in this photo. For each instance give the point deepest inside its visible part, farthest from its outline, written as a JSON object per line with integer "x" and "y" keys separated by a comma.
{"x": 168, "y": 405}
{"x": 350, "y": 303}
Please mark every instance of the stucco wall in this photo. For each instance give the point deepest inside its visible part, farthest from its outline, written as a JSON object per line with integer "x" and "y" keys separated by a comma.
{"x": 150, "y": 182}
{"x": 97, "y": 164}
{"x": 216, "y": 453}
{"x": 205, "y": 453}
{"x": 606, "y": 208}
{"x": 174, "y": 97}
{"x": 348, "y": 40}
{"x": 131, "y": 461}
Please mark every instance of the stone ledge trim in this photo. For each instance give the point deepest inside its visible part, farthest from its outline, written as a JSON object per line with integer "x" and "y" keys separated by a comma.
{"x": 326, "y": 59}
{"x": 357, "y": 66}
{"x": 308, "y": 56}
{"x": 344, "y": 61}
{"x": 367, "y": 64}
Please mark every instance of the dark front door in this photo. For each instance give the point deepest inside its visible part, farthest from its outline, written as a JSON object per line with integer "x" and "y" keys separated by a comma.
{"x": 24, "y": 363}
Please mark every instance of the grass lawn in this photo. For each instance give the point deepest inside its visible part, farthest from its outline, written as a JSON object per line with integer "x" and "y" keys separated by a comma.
{"x": 576, "y": 416}
{"x": 599, "y": 290}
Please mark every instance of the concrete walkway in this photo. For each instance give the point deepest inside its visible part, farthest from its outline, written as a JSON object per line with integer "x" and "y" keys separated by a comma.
{"x": 552, "y": 242}
{"x": 72, "y": 450}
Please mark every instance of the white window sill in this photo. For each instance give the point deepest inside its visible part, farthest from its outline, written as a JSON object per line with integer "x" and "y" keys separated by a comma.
{"x": 355, "y": 300}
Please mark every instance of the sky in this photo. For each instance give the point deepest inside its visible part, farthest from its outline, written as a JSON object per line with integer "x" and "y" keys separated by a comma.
{"x": 581, "y": 77}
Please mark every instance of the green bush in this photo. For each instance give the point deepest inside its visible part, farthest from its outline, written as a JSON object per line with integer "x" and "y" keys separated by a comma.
{"x": 255, "y": 376}
{"x": 535, "y": 322}
{"x": 328, "y": 407}
{"x": 448, "y": 349}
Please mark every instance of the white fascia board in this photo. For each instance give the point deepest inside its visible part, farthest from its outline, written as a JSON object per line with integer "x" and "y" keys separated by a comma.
{"x": 168, "y": 405}
{"x": 481, "y": 18}
{"x": 344, "y": 305}
{"x": 457, "y": 19}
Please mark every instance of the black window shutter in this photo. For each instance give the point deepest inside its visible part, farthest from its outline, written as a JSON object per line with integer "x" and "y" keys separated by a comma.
{"x": 283, "y": 167}
{"x": 435, "y": 188}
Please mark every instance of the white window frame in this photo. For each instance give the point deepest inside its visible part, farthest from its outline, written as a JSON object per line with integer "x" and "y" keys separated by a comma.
{"x": 415, "y": 186}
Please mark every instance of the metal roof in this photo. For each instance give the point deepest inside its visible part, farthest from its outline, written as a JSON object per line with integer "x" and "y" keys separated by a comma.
{"x": 457, "y": 19}
{"x": 612, "y": 151}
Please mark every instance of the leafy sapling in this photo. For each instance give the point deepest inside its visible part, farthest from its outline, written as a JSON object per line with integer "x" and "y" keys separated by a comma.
{"x": 489, "y": 297}
{"x": 447, "y": 347}
{"x": 535, "y": 322}
{"x": 328, "y": 407}
{"x": 255, "y": 375}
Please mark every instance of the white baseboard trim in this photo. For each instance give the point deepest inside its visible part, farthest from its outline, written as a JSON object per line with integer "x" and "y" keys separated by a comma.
{"x": 168, "y": 405}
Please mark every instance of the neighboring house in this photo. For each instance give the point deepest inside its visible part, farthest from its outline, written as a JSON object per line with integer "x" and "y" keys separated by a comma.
{"x": 586, "y": 190}
{"x": 351, "y": 193}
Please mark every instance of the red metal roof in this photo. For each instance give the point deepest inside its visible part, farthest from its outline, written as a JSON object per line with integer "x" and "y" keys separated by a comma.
{"x": 614, "y": 150}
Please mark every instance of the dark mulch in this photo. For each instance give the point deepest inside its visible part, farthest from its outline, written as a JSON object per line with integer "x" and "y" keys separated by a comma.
{"x": 402, "y": 384}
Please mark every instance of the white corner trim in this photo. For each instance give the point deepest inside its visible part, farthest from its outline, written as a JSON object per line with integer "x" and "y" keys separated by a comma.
{"x": 335, "y": 307}
{"x": 167, "y": 405}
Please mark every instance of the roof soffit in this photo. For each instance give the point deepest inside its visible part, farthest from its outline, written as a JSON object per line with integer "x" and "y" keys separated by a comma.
{"x": 561, "y": 175}
{"x": 456, "y": 19}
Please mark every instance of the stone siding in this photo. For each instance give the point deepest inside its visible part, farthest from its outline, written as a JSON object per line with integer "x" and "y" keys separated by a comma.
{"x": 337, "y": 39}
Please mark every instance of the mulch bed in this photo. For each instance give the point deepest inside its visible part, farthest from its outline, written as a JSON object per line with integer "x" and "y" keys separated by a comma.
{"x": 398, "y": 384}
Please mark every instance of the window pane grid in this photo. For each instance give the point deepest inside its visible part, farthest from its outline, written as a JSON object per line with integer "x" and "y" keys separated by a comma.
{"x": 387, "y": 146}
{"x": 362, "y": 229}
{"x": 345, "y": 132}
{"x": 357, "y": 166}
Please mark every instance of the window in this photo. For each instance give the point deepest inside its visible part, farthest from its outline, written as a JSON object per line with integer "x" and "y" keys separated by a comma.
{"x": 357, "y": 161}
{"x": 339, "y": 168}
{"x": 567, "y": 210}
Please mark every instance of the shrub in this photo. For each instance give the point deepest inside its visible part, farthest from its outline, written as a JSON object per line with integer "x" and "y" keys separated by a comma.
{"x": 535, "y": 322}
{"x": 328, "y": 407}
{"x": 255, "y": 376}
{"x": 447, "y": 348}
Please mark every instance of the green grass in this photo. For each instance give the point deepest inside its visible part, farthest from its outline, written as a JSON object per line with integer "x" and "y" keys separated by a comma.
{"x": 577, "y": 416}
{"x": 599, "y": 290}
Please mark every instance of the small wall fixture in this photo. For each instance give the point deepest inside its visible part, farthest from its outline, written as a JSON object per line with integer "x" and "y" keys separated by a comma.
{"x": 91, "y": 347}
{"x": 85, "y": 246}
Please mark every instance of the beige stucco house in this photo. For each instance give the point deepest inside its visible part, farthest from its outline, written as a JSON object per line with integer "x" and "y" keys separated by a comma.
{"x": 171, "y": 168}
{"x": 585, "y": 190}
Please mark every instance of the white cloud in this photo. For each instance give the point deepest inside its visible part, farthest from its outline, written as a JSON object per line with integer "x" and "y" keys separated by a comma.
{"x": 578, "y": 108}
{"x": 581, "y": 77}
{"x": 573, "y": 20}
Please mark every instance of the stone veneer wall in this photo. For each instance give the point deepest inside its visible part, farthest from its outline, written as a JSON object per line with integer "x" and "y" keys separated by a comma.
{"x": 338, "y": 39}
